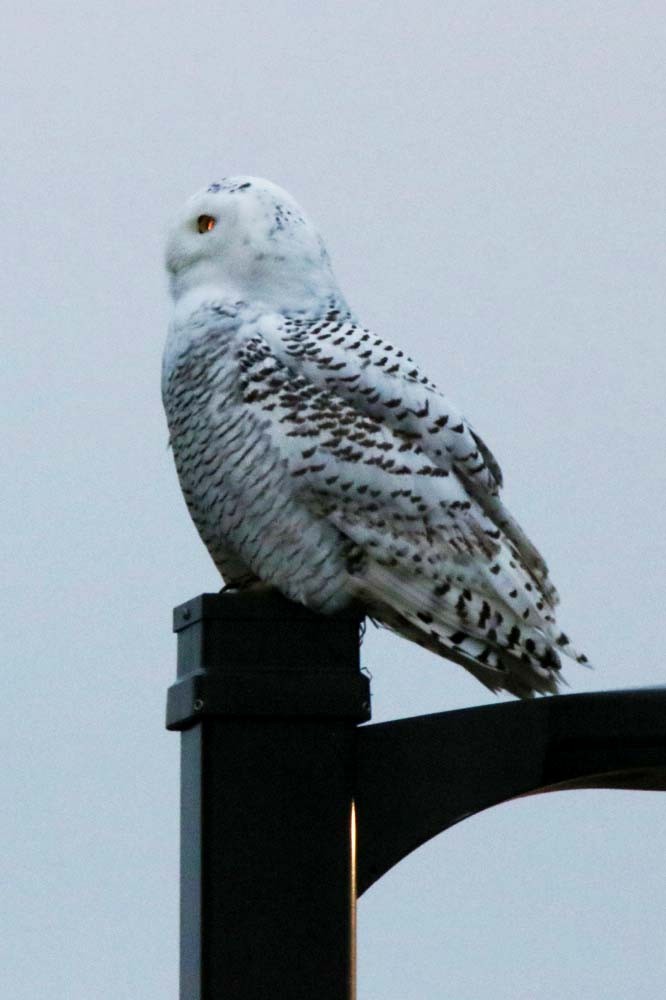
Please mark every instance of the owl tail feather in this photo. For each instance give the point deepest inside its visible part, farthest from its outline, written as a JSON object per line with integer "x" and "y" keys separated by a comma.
{"x": 399, "y": 604}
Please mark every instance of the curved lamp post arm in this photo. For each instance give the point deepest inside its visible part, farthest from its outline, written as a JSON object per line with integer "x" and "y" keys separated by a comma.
{"x": 417, "y": 777}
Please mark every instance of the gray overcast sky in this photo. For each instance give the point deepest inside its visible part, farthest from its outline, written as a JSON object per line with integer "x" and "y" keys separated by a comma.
{"x": 489, "y": 178}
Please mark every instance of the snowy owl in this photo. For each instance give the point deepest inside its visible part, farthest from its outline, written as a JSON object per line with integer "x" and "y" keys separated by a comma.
{"x": 318, "y": 459}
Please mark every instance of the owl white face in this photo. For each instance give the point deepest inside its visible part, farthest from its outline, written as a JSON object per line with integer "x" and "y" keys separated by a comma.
{"x": 249, "y": 240}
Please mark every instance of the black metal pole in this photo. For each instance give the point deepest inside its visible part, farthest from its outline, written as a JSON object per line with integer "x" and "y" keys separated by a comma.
{"x": 268, "y": 699}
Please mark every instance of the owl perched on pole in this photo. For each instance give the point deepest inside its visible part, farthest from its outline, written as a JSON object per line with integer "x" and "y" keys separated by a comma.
{"x": 318, "y": 459}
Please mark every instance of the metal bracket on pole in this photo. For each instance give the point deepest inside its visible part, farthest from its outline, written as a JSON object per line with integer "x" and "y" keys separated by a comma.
{"x": 278, "y": 785}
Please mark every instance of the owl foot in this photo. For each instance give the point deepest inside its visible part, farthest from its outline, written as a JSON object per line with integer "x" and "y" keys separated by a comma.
{"x": 245, "y": 584}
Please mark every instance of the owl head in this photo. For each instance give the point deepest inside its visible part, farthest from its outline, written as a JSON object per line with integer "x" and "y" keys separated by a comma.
{"x": 248, "y": 240}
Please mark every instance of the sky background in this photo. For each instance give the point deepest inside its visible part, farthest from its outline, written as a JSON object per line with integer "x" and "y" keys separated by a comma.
{"x": 489, "y": 179}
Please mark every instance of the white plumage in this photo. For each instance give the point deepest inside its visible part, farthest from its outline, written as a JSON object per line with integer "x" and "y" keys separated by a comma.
{"x": 316, "y": 458}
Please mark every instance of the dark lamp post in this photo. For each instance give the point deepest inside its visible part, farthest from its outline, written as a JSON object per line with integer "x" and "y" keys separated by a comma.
{"x": 290, "y": 809}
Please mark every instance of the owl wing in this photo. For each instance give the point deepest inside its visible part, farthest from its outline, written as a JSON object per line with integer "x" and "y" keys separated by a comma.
{"x": 381, "y": 382}
{"x": 423, "y": 555}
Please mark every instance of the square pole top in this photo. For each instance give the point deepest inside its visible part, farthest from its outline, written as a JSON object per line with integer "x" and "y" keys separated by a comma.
{"x": 258, "y": 654}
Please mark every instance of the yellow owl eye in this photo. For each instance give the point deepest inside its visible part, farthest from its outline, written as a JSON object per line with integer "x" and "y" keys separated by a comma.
{"x": 205, "y": 223}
